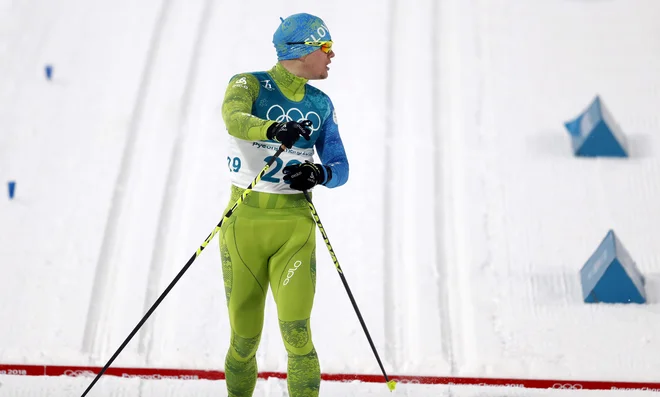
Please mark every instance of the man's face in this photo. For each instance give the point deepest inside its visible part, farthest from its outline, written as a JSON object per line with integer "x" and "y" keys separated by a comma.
{"x": 316, "y": 64}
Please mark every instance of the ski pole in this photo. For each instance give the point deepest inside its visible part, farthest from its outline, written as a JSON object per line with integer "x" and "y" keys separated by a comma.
{"x": 391, "y": 384}
{"x": 184, "y": 269}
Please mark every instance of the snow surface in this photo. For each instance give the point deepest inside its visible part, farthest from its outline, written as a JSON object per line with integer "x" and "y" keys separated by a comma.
{"x": 527, "y": 214}
{"x": 461, "y": 231}
{"x": 120, "y": 387}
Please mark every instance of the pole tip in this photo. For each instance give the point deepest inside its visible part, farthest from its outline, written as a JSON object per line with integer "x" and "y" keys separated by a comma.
{"x": 391, "y": 385}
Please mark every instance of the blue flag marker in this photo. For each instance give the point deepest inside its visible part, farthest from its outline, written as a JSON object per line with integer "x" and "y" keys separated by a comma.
{"x": 49, "y": 72}
{"x": 11, "y": 185}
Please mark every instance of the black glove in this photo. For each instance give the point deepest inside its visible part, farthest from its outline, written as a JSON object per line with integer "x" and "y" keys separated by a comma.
{"x": 288, "y": 133}
{"x": 306, "y": 175}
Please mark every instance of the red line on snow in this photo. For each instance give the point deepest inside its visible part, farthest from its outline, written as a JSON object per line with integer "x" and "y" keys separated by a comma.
{"x": 173, "y": 373}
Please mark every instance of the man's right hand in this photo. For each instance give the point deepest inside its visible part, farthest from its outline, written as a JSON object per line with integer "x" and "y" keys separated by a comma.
{"x": 289, "y": 132}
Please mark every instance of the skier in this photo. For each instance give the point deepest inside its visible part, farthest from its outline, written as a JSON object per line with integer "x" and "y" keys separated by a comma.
{"x": 270, "y": 239}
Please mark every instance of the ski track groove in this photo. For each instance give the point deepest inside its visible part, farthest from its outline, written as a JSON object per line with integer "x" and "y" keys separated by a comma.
{"x": 440, "y": 186}
{"x": 389, "y": 315}
{"x": 101, "y": 289}
{"x": 174, "y": 177}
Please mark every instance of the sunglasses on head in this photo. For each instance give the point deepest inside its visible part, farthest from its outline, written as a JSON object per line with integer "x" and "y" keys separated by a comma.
{"x": 326, "y": 46}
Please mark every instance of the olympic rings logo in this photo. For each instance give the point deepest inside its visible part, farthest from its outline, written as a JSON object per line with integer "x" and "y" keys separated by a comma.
{"x": 567, "y": 386}
{"x": 69, "y": 372}
{"x": 277, "y": 113}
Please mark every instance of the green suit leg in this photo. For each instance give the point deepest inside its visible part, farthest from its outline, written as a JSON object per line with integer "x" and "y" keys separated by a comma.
{"x": 276, "y": 246}
{"x": 293, "y": 281}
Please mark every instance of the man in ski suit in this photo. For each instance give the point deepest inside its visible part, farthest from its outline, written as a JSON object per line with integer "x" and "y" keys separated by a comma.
{"x": 271, "y": 237}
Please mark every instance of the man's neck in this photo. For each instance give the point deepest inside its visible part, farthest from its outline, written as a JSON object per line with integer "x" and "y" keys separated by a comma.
{"x": 291, "y": 85}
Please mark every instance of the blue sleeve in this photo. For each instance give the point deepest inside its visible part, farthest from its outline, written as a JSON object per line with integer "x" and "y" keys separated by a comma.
{"x": 331, "y": 151}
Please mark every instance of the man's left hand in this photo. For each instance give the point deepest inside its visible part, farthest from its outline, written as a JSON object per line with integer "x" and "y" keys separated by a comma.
{"x": 306, "y": 175}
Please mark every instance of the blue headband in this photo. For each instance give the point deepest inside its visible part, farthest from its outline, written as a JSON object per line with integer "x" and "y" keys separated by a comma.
{"x": 296, "y": 28}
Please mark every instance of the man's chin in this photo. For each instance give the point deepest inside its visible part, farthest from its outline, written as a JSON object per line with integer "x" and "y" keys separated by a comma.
{"x": 320, "y": 77}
